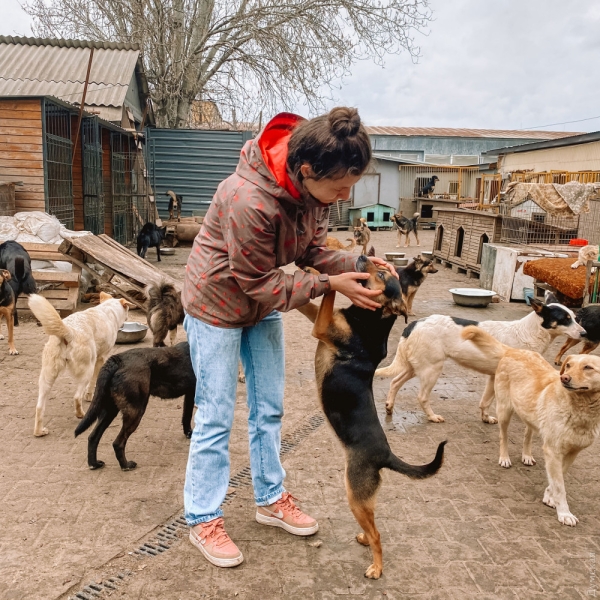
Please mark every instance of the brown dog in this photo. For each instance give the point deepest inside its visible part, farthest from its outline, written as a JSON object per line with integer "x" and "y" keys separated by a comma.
{"x": 7, "y": 309}
{"x": 352, "y": 342}
{"x": 563, "y": 408}
{"x": 362, "y": 235}
{"x": 411, "y": 278}
{"x": 335, "y": 244}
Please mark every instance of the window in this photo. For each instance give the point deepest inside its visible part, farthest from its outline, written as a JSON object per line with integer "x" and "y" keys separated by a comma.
{"x": 460, "y": 238}
{"x": 453, "y": 188}
{"x": 370, "y": 217}
{"x": 439, "y": 237}
{"x": 427, "y": 211}
{"x": 386, "y": 216}
{"x": 484, "y": 239}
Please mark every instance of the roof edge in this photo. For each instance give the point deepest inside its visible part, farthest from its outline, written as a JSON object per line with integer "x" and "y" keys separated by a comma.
{"x": 67, "y": 43}
{"x": 575, "y": 140}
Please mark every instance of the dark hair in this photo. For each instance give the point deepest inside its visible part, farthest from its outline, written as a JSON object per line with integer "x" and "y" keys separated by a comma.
{"x": 334, "y": 145}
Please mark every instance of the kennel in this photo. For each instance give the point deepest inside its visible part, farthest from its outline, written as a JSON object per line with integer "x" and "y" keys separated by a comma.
{"x": 376, "y": 215}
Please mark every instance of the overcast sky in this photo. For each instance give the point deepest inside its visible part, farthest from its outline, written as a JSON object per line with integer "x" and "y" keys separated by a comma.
{"x": 503, "y": 64}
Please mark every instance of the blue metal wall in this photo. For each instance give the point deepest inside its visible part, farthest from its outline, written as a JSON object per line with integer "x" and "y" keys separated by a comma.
{"x": 191, "y": 162}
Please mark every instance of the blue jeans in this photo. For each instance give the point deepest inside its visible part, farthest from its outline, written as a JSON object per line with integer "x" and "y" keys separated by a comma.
{"x": 215, "y": 353}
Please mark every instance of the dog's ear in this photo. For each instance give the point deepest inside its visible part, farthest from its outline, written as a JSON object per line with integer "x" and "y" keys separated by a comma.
{"x": 371, "y": 251}
{"x": 564, "y": 366}
{"x": 5, "y": 275}
{"x": 126, "y": 304}
{"x": 536, "y": 304}
{"x": 104, "y": 297}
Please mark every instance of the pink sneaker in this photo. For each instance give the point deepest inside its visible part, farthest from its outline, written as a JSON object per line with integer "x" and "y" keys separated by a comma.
{"x": 285, "y": 514}
{"x": 212, "y": 540}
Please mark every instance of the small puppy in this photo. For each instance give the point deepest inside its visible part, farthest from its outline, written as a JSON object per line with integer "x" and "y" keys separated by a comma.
{"x": 175, "y": 203}
{"x": 563, "y": 408}
{"x": 7, "y": 309}
{"x": 405, "y": 227}
{"x": 362, "y": 235}
{"x": 126, "y": 382}
{"x": 589, "y": 319}
{"x": 164, "y": 312}
{"x": 411, "y": 278}
{"x": 586, "y": 253}
{"x": 335, "y": 244}
{"x": 81, "y": 343}
{"x": 16, "y": 260}
{"x": 150, "y": 236}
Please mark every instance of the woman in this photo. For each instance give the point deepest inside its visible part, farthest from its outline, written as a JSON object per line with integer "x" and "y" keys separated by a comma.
{"x": 271, "y": 212}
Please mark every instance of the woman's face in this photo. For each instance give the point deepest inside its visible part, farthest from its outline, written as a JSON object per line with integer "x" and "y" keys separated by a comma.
{"x": 327, "y": 190}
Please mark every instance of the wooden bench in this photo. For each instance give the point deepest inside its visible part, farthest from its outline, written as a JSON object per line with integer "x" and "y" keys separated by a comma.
{"x": 61, "y": 289}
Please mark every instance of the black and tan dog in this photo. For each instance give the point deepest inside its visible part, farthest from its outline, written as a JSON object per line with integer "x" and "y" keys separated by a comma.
{"x": 405, "y": 227}
{"x": 7, "y": 309}
{"x": 411, "y": 278}
{"x": 175, "y": 202}
{"x": 16, "y": 260}
{"x": 427, "y": 191}
{"x": 126, "y": 382}
{"x": 164, "y": 312}
{"x": 362, "y": 235}
{"x": 352, "y": 342}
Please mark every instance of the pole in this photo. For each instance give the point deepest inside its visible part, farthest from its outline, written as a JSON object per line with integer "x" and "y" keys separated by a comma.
{"x": 85, "y": 87}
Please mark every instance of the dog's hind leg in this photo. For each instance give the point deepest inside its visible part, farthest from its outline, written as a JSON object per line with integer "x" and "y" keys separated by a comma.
{"x": 505, "y": 411}
{"x": 52, "y": 365}
{"x": 11, "y": 335}
{"x": 92, "y": 384}
{"x": 527, "y": 457}
{"x": 589, "y": 347}
{"x": 486, "y": 401}
{"x": 569, "y": 343}
{"x": 106, "y": 417}
{"x": 131, "y": 421}
{"x": 428, "y": 378}
{"x": 395, "y": 386}
{"x": 399, "y": 239}
{"x": 173, "y": 336}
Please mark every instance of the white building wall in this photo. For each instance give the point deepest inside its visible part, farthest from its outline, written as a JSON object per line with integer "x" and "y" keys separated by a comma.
{"x": 581, "y": 157}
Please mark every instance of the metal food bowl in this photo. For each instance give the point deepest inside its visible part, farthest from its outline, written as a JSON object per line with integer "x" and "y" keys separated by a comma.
{"x": 131, "y": 332}
{"x": 400, "y": 262}
{"x": 167, "y": 251}
{"x": 472, "y": 296}
{"x": 392, "y": 255}
{"x": 427, "y": 254}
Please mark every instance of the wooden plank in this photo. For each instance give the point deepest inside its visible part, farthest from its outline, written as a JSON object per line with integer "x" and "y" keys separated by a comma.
{"x": 23, "y": 115}
{"x": 39, "y": 247}
{"x": 5, "y": 147}
{"x": 21, "y": 138}
{"x": 17, "y": 155}
{"x": 24, "y": 166}
{"x": 68, "y": 279}
{"x": 66, "y": 305}
{"x": 22, "y": 104}
{"x": 20, "y": 129}
{"x": 19, "y": 124}
{"x": 30, "y": 204}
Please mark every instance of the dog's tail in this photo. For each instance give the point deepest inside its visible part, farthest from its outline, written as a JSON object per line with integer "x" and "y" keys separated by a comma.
{"x": 489, "y": 345}
{"x": 101, "y": 393}
{"x": 396, "y": 366}
{"x": 46, "y": 314}
{"x": 351, "y": 245}
{"x": 417, "y": 472}
{"x": 157, "y": 292}
{"x": 417, "y": 216}
{"x": 28, "y": 285}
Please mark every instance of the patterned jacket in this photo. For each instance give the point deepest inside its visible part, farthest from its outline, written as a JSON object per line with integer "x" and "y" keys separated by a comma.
{"x": 258, "y": 222}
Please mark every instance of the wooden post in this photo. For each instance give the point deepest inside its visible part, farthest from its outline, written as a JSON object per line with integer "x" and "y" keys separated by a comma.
{"x": 85, "y": 87}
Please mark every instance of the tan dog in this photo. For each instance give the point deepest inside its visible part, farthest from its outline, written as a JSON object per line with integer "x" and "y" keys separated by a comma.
{"x": 362, "y": 235}
{"x": 81, "y": 342}
{"x": 586, "y": 253}
{"x": 563, "y": 408}
{"x": 335, "y": 244}
{"x": 7, "y": 309}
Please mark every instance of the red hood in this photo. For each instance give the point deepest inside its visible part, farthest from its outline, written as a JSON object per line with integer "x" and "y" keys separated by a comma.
{"x": 273, "y": 145}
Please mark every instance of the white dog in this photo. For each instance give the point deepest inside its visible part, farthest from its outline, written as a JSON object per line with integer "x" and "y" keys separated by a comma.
{"x": 426, "y": 344}
{"x": 564, "y": 408}
{"x": 81, "y": 342}
{"x": 586, "y": 253}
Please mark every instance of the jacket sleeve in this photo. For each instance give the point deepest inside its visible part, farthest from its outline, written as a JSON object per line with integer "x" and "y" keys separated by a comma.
{"x": 319, "y": 257}
{"x": 251, "y": 241}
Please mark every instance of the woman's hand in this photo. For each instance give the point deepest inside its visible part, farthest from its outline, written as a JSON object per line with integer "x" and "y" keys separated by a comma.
{"x": 380, "y": 262}
{"x": 348, "y": 285}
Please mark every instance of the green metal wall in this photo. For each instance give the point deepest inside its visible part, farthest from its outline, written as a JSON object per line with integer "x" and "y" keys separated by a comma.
{"x": 191, "y": 162}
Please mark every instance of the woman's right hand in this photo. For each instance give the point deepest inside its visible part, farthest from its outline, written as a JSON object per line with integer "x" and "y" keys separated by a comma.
{"x": 348, "y": 285}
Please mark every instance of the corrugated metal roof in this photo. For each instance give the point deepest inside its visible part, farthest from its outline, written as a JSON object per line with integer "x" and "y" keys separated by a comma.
{"x": 469, "y": 133}
{"x": 33, "y": 66}
{"x": 574, "y": 140}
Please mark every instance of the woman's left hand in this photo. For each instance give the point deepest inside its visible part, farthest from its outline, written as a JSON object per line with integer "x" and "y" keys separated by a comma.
{"x": 380, "y": 262}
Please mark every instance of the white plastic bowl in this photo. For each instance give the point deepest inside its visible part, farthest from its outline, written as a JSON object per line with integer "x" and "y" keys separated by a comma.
{"x": 472, "y": 296}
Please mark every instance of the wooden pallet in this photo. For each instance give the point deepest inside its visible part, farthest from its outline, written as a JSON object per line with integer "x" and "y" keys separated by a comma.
{"x": 61, "y": 289}
{"x": 115, "y": 260}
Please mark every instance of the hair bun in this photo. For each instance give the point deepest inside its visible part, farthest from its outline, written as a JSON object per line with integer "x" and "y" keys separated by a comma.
{"x": 344, "y": 121}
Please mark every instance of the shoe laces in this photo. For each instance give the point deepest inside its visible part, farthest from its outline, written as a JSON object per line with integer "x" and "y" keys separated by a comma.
{"x": 215, "y": 531}
{"x": 286, "y": 503}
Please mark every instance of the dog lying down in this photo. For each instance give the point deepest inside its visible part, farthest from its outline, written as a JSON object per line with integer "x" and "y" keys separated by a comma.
{"x": 564, "y": 408}
{"x": 352, "y": 342}
{"x": 427, "y": 343}
{"x": 125, "y": 384}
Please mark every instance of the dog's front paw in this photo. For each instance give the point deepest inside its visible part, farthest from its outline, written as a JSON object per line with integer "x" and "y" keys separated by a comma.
{"x": 568, "y": 519}
{"x": 436, "y": 418}
{"x": 373, "y": 572}
{"x": 361, "y": 538}
{"x": 489, "y": 419}
{"x": 13, "y": 351}
{"x": 389, "y": 408}
{"x": 130, "y": 466}
{"x": 41, "y": 432}
{"x": 79, "y": 413}
{"x": 528, "y": 460}
{"x": 97, "y": 465}
{"x": 505, "y": 462}
{"x": 548, "y": 500}
{"x": 2, "y": 336}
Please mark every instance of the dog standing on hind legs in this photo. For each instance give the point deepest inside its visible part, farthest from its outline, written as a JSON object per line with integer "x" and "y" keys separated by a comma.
{"x": 352, "y": 342}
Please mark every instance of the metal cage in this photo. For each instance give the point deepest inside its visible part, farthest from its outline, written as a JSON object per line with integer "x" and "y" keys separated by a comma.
{"x": 93, "y": 196}
{"x": 58, "y": 153}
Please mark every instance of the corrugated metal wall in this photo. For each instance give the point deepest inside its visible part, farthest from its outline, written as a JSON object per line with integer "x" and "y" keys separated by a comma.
{"x": 191, "y": 162}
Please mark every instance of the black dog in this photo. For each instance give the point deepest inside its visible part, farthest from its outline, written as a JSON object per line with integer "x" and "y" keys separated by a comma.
{"x": 150, "y": 236}
{"x": 589, "y": 319}
{"x": 164, "y": 313}
{"x": 7, "y": 308}
{"x": 406, "y": 226}
{"x": 412, "y": 276}
{"x": 15, "y": 259}
{"x": 125, "y": 383}
{"x": 175, "y": 204}
{"x": 352, "y": 342}
{"x": 428, "y": 188}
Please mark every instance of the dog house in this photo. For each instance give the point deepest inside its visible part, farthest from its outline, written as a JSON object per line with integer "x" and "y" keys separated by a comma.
{"x": 460, "y": 236}
{"x": 376, "y": 215}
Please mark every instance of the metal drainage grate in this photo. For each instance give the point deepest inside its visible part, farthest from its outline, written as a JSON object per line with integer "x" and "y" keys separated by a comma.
{"x": 167, "y": 535}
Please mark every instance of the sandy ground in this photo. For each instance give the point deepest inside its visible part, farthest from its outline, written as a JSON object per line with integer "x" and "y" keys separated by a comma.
{"x": 475, "y": 530}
